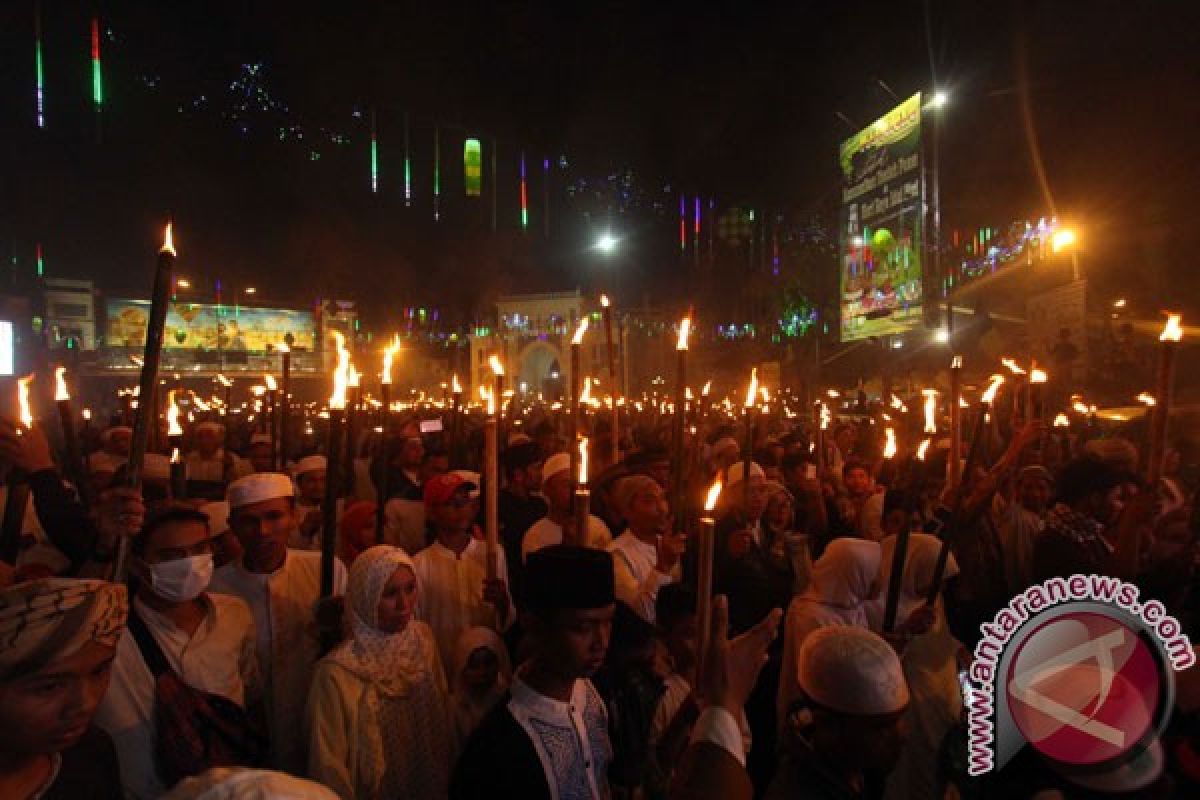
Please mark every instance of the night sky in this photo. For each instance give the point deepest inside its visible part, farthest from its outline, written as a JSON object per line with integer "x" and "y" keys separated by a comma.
{"x": 743, "y": 102}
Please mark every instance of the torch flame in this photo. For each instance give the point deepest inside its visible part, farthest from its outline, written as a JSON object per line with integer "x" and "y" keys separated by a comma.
{"x": 752, "y": 391}
{"x": 1173, "y": 330}
{"x": 23, "y": 400}
{"x": 282, "y": 347}
{"x": 766, "y": 394}
{"x": 173, "y": 426}
{"x": 577, "y": 339}
{"x": 889, "y": 449}
{"x": 898, "y": 404}
{"x": 1146, "y": 398}
{"x": 826, "y": 417}
{"x": 585, "y": 396}
{"x": 1037, "y": 375}
{"x": 489, "y": 399}
{"x": 1012, "y": 365}
{"x": 1079, "y": 407}
{"x": 389, "y": 353}
{"x": 922, "y": 449}
{"x": 604, "y": 301}
{"x": 930, "y": 410}
{"x": 685, "y": 327}
{"x": 60, "y": 385}
{"x": 168, "y": 240}
{"x": 270, "y": 381}
{"x": 989, "y": 394}
{"x": 455, "y": 386}
{"x": 714, "y": 492}
{"x": 86, "y": 414}
{"x": 707, "y": 387}
{"x": 1061, "y": 421}
{"x": 497, "y": 367}
{"x": 355, "y": 378}
{"x": 221, "y": 379}
{"x": 583, "y": 465}
{"x": 341, "y": 373}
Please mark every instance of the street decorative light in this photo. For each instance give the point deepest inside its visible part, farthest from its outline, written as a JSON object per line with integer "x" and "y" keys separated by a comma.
{"x": 1063, "y": 239}
{"x": 606, "y": 243}
{"x": 939, "y": 99}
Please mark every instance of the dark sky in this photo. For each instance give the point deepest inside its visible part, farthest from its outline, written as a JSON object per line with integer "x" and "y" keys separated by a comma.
{"x": 734, "y": 100}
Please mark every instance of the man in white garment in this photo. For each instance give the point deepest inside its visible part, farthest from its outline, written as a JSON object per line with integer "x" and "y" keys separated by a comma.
{"x": 210, "y": 467}
{"x": 282, "y": 588}
{"x": 310, "y": 474}
{"x": 647, "y": 555}
{"x": 556, "y": 488}
{"x": 452, "y": 573}
{"x": 207, "y": 640}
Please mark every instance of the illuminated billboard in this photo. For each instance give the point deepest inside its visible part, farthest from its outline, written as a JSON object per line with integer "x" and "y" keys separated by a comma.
{"x": 880, "y": 225}
{"x": 204, "y": 326}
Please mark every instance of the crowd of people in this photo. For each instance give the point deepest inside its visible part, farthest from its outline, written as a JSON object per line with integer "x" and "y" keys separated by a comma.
{"x": 235, "y": 659}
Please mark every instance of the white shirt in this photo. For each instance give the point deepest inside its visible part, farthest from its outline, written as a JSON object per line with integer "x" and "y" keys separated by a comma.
{"x": 288, "y": 642}
{"x": 637, "y": 579}
{"x": 546, "y": 532}
{"x": 219, "y": 657}
{"x": 212, "y": 469}
{"x": 451, "y": 593}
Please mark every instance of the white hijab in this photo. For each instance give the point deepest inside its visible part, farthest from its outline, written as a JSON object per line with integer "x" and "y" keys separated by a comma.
{"x": 919, "y": 562}
{"x": 392, "y": 661}
{"x": 843, "y": 577}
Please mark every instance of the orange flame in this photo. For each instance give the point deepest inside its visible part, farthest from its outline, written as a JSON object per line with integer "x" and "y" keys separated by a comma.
{"x": 989, "y": 394}
{"x": 714, "y": 492}
{"x": 221, "y": 379}
{"x": 922, "y": 449}
{"x": 1038, "y": 375}
{"x": 898, "y": 404}
{"x": 23, "y": 400}
{"x": 577, "y": 339}
{"x": 585, "y": 396}
{"x": 1061, "y": 421}
{"x": 168, "y": 245}
{"x": 489, "y": 399}
{"x": 1173, "y": 330}
{"x": 826, "y": 417}
{"x": 355, "y": 379}
{"x": 282, "y": 347}
{"x": 341, "y": 373}
{"x": 707, "y": 388}
{"x": 930, "y": 410}
{"x": 389, "y": 353}
{"x": 455, "y": 386}
{"x": 1147, "y": 399}
{"x": 604, "y": 301}
{"x": 173, "y": 426}
{"x": 60, "y": 385}
{"x": 583, "y": 465}
{"x": 272, "y": 386}
{"x": 889, "y": 449}
{"x": 685, "y": 327}
{"x": 1012, "y": 365}
{"x": 1079, "y": 407}
{"x": 497, "y": 367}
{"x": 752, "y": 391}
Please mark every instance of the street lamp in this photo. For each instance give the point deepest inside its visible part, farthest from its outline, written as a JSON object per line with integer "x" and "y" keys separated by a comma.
{"x": 1067, "y": 239}
{"x": 183, "y": 283}
{"x": 939, "y": 99}
{"x": 606, "y": 243}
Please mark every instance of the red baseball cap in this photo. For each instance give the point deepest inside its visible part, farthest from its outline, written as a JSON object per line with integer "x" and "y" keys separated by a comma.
{"x": 441, "y": 488}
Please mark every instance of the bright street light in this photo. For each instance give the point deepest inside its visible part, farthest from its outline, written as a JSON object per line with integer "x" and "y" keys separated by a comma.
{"x": 249, "y": 290}
{"x": 941, "y": 336}
{"x": 606, "y": 243}
{"x": 1063, "y": 239}
{"x": 939, "y": 99}
{"x": 183, "y": 283}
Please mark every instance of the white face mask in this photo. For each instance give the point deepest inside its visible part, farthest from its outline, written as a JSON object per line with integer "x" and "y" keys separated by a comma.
{"x": 183, "y": 579}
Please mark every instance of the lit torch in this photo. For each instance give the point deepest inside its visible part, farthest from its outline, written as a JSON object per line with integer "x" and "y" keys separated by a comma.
{"x": 930, "y": 395}
{"x": 889, "y": 448}
{"x": 175, "y": 439}
{"x": 704, "y": 575}
{"x": 748, "y": 408}
{"x": 678, "y": 420}
{"x": 582, "y": 497}
{"x": 1169, "y": 339}
{"x": 337, "y": 416}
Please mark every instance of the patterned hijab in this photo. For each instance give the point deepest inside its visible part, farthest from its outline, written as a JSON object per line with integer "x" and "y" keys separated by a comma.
{"x": 393, "y": 661}
{"x": 53, "y": 618}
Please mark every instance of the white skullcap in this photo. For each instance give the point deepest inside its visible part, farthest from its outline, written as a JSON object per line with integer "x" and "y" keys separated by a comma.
{"x": 240, "y": 783}
{"x": 734, "y": 474}
{"x": 852, "y": 671}
{"x": 559, "y": 462}
{"x": 260, "y": 438}
{"x": 104, "y": 462}
{"x": 629, "y": 487}
{"x": 469, "y": 477}
{"x": 723, "y": 445}
{"x": 257, "y": 487}
{"x": 156, "y": 467}
{"x": 108, "y": 432}
{"x": 310, "y": 464}
{"x": 218, "y": 516}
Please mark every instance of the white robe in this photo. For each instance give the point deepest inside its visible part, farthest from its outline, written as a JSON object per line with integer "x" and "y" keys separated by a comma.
{"x": 546, "y": 532}
{"x": 451, "y": 593}
{"x": 288, "y": 642}
{"x": 636, "y": 574}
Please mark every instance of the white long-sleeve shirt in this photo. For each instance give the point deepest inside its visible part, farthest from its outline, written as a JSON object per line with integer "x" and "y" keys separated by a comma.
{"x": 288, "y": 642}
{"x": 218, "y": 657}
{"x": 637, "y": 577}
{"x": 451, "y": 593}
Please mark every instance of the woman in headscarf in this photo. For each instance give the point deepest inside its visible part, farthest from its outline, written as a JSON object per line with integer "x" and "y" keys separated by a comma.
{"x": 929, "y": 656}
{"x": 844, "y": 579}
{"x": 786, "y": 547}
{"x": 481, "y": 673}
{"x": 377, "y": 709}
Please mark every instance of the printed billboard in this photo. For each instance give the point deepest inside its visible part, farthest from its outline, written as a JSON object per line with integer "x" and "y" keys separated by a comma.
{"x": 205, "y": 326}
{"x": 880, "y": 225}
